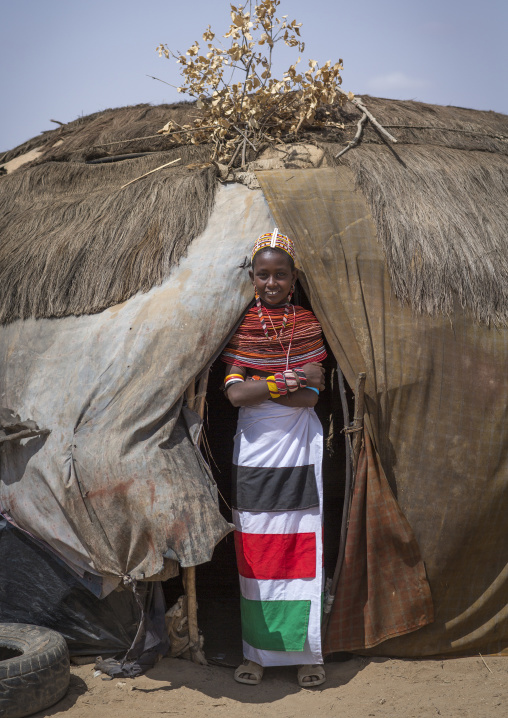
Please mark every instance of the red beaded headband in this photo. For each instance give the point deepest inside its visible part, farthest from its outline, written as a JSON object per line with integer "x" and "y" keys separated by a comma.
{"x": 274, "y": 240}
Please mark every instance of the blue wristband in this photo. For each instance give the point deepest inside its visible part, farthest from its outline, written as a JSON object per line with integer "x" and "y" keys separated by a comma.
{"x": 313, "y": 388}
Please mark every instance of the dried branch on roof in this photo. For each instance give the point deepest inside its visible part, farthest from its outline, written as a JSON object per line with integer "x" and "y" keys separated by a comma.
{"x": 257, "y": 107}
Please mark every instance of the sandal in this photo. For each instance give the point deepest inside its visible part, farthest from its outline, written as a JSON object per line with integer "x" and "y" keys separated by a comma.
{"x": 315, "y": 675}
{"x": 250, "y": 673}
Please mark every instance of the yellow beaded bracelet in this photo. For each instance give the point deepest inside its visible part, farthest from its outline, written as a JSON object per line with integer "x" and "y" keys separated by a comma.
{"x": 272, "y": 387}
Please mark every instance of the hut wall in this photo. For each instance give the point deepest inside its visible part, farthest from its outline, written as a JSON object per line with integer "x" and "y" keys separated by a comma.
{"x": 436, "y": 439}
{"x": 118, "y": 484}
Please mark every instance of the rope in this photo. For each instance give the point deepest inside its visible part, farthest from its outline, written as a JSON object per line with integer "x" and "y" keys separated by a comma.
{"x": 351, "y": 429}
{"x": 440, "y": 129}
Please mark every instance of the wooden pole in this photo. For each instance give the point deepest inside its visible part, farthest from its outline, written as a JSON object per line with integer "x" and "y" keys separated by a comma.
{"x": 196, "y": 402}
{"x": 190, "y": 394}
{"x": 189, "y": 583}
{"x": 357, "y": 427}
{"x": 200, "y": 400}
{"x": 371, "y": 117}
{"x": 356, "y": 138}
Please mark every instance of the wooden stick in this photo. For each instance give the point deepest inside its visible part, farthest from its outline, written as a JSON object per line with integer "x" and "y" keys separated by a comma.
{"x": 245, "y": 138}
{"x": 196, "y": 402}
{"x": 24, "y": 434}
{"x": 189, "y": 582}
{"x": 152, "y": 137}
{"x": 183, "y": 131}
{"x": 233, "y": 158}
{"x": 358, "y": 419}
{"x": 133, "y": 139}
{"x": 356, "y": 138}
{"x": 371, "y": 117}
{"x": 149, "y": 173}
{"x": 300, "y": 122}
{"x": 244, "y": 147}
{"x": 483, "y": 659}
{"x": 201, "y": 395}
{"x": 190, "y": 394}
{"x": 167, "y": 83}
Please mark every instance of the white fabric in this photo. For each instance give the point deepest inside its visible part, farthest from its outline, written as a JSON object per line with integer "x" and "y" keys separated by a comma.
{"x": 273, "y": 435}
{"x": 278, "y": 522}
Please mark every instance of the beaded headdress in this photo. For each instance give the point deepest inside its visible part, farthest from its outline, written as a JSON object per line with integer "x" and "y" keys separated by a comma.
{"x": 274, "y": 240}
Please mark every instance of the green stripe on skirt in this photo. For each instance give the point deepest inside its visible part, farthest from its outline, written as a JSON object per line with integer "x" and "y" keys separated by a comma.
{"x": 275, "y": 625}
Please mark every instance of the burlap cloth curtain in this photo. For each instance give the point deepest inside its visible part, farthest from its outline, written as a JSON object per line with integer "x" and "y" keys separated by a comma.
{"x": 430, "y": 499}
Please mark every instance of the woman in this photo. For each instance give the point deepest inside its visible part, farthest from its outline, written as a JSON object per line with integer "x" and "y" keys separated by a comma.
{"x": 274, "y": 375}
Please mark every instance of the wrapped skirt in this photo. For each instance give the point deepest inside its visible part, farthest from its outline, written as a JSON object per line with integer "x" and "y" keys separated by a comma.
{"x": 277, "y": 512}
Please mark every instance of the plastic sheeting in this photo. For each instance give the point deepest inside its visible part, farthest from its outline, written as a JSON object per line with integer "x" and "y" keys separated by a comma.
{"x": 118, "y": 483}
{"x": 436, "y": 393}
{"x": 36, "y": 588}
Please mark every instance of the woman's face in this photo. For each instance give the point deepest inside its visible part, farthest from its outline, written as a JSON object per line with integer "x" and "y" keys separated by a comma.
{"x": 273, "y": 277}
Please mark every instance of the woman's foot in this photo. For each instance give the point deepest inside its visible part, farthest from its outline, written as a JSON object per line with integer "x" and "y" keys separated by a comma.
{"x": 249, "y": 672}
{"x": 310, "y": 676}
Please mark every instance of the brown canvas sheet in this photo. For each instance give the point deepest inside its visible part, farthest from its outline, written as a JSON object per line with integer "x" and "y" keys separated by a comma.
{"x": 384, "y": 590}
{"x": 436, "y": 415}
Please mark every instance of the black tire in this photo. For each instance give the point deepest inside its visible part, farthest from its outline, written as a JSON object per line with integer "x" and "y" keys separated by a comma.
{"x": 37, "y": 678}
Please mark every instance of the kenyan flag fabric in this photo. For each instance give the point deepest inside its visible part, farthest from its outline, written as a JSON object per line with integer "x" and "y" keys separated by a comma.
{"x": 277, "y": 500}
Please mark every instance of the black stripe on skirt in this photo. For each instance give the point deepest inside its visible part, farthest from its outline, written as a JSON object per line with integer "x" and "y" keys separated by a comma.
{"x": 286, "y": 488}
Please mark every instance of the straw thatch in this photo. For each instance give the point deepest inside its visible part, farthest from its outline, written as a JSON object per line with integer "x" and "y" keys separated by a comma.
{"x": 74, "y": 243}
{"x": 110, "y": 132}
{"x": 438, "y": 198}
{"x": 442, "y": 216}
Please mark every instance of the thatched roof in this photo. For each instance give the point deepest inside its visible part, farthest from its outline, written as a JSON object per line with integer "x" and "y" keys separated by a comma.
{"x": 438, "y": 198}
{"x": 109, "y": 132}
{"x": 73, "y": 242}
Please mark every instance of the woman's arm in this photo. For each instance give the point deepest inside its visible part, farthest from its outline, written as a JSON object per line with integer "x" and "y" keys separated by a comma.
{"x": 250, "y": 393}
{"x": 246, "y": 393}
{"x": 299, "y": 398}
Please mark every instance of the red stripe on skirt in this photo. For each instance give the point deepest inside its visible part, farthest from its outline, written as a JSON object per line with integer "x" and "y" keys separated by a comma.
{"x": 276, "y": 556}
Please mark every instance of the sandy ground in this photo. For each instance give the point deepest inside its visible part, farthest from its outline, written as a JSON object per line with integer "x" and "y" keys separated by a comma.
{"x": 355, "y": 688}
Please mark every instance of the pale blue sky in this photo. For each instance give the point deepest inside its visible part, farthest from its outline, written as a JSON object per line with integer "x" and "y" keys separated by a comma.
{"x": 61, "y": 59}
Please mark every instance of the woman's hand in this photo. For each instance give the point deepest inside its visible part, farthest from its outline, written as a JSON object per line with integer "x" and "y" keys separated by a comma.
{"x": 315, "y": 374}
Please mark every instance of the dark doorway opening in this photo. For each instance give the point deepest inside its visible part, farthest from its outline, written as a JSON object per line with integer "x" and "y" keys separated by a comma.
{"x": 217, "y": 581}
